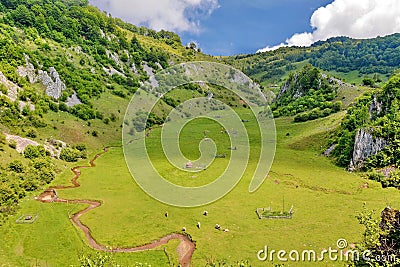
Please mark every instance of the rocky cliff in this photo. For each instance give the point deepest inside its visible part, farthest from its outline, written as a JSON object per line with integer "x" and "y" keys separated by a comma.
{"x": 365, "y": 146}
{"x": 50, "y": 79}
{"x": 375, "y": 107}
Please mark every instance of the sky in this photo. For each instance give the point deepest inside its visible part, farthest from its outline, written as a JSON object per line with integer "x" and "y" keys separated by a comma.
{"x": 230, "y": 27}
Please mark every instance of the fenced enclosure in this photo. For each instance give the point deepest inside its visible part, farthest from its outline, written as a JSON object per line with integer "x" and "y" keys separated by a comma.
{"x": 268, "y": 213}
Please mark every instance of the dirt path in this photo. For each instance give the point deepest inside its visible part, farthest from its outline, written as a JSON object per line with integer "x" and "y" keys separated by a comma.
{"x": 185, "y": 248}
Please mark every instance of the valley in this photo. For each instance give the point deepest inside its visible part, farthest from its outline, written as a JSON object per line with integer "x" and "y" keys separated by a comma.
{"x": 73, "y": 109}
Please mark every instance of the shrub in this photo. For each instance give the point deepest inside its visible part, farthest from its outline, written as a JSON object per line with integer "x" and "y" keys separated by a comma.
{"x": 368, "y": 81}
{"x": 70, "y": 154}
{"x": 32, "y": 133}
{"x": 16, "y": 166}
{"x": 80, "y": 147}
{"x": 83, "y": 112}
{"x": 12, "y": 144}
{"x": 32, "y": 152}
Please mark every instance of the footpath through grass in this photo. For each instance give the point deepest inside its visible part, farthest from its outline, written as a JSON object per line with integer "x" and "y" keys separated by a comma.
{"x": 325, "y": 200}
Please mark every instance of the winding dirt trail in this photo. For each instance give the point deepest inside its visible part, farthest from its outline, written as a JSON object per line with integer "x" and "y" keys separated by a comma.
{"x": 185, "y": 248}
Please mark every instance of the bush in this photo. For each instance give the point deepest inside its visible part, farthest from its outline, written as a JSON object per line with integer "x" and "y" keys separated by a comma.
{"x": 73, "y": 154}
{"x": 393, "y": 180}
{"x": 99, "y": 115}
{"x": 337, "y": 106}
{"x": 119, "y": 93}
{"x": 83, "y": 112}
{"x": 80, "y": 147}
{"x": 32, "y": 152}
{"x": 70, "y": 154}
{"x": 53, "y": 106}
{"x": 32, "y": 133}
{"x": 12, "y": 144}
{"x": 16, "y": 166}
{"x": 29, "y": 184}
{"x": 368, "y": 82}
{"x": 46, "y": 175}
{"x": 63, "y": 107}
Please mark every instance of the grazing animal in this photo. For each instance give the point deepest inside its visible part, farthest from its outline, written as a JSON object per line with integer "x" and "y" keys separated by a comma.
{"x": 198, "y": 225}
{"x": 226, "y": 230}
{"x": 183, "y": 229}
{"x": 217, "y": 226}
{"x": 166, "y": 214}
{"x": 205, "y": 213}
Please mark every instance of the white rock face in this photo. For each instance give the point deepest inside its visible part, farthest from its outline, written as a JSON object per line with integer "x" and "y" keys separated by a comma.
{"x": 365, "y": 146}
{"x": 51, "y": 79}
{"x": 77, "y": 49}
{"x": 152, "y": 78}
{"x": 114, "y": 57}
{"x": 23, "y": 104}
{"x": 328, "y": 152}
{"x": 375, "y": 106}
{"x": 28, "y": 71}
{"x": 22, "y": 143}
{"x": 13, "y": 89}
{"x": 52, "y": 82}
{"x": 73, "y": 100}
{"x": 111, "y": 71}
{"x": 133, "y": 68}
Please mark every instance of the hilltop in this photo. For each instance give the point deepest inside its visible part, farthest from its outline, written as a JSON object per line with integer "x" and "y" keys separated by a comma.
{"x": 347, "y": 58}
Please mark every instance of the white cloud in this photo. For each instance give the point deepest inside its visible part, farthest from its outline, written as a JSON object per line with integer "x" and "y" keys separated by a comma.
{"x": 352, "y": 18}
{"x": 271, "y": 48}
{"x": 173, "y": 15}
{"x": 300, "y": 39}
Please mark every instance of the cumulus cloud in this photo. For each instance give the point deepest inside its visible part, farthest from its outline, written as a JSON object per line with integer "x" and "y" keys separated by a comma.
{"x": 173, "y": 15}
{"x": 359, "y": 19}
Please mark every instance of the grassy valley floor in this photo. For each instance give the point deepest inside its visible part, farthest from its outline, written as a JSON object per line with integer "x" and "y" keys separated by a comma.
{"x": 325, "y": 200}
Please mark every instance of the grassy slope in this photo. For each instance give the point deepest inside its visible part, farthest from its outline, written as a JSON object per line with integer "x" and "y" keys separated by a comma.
{"x": 178, "y": 53}
{"x": 323, "y": 196}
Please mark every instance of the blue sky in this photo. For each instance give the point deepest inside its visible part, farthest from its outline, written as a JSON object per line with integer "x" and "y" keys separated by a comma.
{"x": 240, "y": 26}
{"x": 228, "y": 27}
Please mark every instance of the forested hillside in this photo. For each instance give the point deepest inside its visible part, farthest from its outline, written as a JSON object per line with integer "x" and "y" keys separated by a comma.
{"x": 371, "y": 129}
{"x": 345, "y": 57}
{"x": 308, "y": 92}
{"x": 63, "y": 60}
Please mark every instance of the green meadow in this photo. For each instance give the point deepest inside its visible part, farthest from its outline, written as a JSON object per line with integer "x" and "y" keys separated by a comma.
{"x": 325, "y": 201}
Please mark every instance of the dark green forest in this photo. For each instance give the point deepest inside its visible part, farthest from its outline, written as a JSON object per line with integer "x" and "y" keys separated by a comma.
{"x": 373, "y": 57}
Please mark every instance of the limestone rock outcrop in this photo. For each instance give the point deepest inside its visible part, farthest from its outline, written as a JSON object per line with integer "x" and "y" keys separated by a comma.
{"x": 365, "y": 146}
